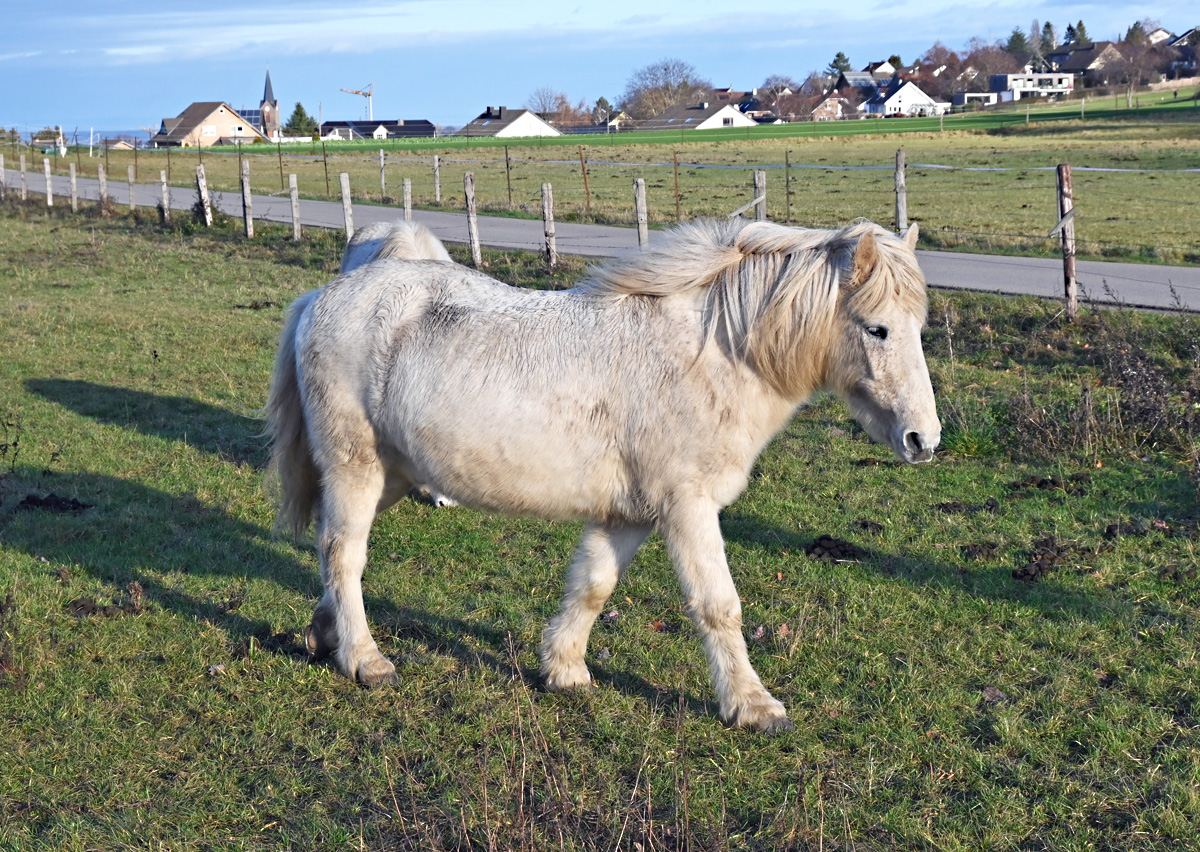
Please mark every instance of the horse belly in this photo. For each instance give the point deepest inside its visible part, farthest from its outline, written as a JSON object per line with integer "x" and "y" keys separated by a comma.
{"x": 516, "y": 471}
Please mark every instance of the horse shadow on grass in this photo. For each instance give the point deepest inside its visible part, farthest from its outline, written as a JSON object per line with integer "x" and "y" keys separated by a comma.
{"x": 156, "y": 535}
{"x": 162, "y": 533}
{"x": 218, "y": 431}
{"x": 984, "y": 579}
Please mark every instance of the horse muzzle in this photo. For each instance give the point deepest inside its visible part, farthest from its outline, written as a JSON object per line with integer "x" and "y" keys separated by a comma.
{"x": 915, "y": 447}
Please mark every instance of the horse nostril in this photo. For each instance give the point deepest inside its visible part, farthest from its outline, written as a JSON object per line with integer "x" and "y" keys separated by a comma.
{"x": 913, "y": 441}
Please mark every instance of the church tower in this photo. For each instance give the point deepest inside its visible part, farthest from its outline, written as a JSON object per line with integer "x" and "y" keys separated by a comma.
{"x": 269, "y": 110}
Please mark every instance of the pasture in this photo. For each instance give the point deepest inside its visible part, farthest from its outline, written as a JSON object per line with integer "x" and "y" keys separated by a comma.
{"x": 991, "y": 189}
{"x": 996, "y": 650}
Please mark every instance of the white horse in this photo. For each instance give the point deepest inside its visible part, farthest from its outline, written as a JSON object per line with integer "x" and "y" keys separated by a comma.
{"x": 409, "y": 241}
{"x": 636, "y": 401}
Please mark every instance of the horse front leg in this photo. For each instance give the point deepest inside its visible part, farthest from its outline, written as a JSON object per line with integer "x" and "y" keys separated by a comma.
{"x": 603, "y": 555}
{"x": 692, "y": 532}
{"x": 349, "y": 500}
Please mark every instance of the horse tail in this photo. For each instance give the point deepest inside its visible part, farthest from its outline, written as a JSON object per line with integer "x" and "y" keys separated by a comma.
{"x": 292, "y": 465}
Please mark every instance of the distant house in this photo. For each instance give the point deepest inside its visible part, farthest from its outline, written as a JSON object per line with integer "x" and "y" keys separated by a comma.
{"x": 965, "y": 99}
{"x": 703, "y": 116}
{"x": 881, "y": 71}
{"x": 1085, "y": 60}
{"x": 203, "y": 124}
{"x": 1028, "y": 84}
{"x": 399, "y": 129}
{"x": 834, "y": 107}
{"x": 505, "y": 122}
{"x": 902, "y": 98}
{"x": 1158, "y": 36}
{"x": 862, "y": 83}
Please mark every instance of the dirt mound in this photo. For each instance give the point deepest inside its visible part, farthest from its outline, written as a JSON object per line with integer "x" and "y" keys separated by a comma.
{"x": 835, "y": 550}
{"x": 51, "y": 503}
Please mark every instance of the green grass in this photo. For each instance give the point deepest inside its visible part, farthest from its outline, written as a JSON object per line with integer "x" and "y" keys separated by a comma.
{"x": 966, "y": 205}
{"x": 939, "y": 702}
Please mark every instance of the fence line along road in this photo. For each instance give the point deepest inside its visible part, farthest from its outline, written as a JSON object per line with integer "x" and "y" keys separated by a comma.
{"x": 1132, "y": 284}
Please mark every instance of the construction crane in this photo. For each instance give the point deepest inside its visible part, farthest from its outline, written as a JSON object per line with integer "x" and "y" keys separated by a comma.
{"x": 366, "y": 94}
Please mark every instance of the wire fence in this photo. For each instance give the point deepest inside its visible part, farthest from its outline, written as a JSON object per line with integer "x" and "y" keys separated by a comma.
{"x": 1121, "y": 212}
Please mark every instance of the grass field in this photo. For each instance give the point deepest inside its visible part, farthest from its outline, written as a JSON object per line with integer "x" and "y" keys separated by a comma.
{"x": 1010, "y": 663}
{"x": 986, "y": 182}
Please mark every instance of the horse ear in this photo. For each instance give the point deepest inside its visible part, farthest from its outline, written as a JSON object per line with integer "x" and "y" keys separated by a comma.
{"x": 910, "y": 236}
{"x": 866, "y": 256}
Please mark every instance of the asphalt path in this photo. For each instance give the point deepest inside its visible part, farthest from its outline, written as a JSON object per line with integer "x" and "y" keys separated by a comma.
{"x": 1132, "y": 284}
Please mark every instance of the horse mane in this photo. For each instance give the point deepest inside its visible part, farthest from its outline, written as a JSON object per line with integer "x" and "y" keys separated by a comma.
{"x": 771, "y": 290}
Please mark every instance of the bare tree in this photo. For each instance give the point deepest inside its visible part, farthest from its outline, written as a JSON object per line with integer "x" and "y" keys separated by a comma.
{"x": 545, "y": 100}
{"x": 653, "y": 88}
{"x": 775, "y": 89}
{"x": 799, "y": 103}
{"x": 1141, "y": 62}
{"x": 984, "y": 59}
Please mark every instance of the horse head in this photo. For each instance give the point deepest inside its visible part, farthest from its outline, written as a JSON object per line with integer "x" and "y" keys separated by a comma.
{"x": 877, "y": 364}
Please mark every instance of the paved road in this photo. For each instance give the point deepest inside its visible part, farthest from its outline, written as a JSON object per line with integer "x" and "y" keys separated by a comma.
{"x": 1138, "y": 285}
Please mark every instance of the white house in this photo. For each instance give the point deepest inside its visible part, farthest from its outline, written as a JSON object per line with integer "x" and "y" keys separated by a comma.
{"x": 1029, "y": 84}
{"x": 703, "y": 116}
{"x": 505, "y": 122}
{"x": 903, "y": 98}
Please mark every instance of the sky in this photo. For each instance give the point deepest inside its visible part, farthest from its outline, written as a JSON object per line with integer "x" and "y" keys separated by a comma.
{"x": 114, "y": 66}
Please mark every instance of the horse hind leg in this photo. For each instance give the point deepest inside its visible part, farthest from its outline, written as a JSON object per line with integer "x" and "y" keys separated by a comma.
{"x": 693, "y": 536}
{"x": 351, "y": 496}
{"x": 603, "y": 555}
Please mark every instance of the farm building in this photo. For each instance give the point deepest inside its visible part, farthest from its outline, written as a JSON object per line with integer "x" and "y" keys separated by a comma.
{"x": 505, "y": 122}
{"x": 399, "y": 129}
{"x": 703, "y": 116}
{"x": 903, "y": 98}
{"x": 203, "y": 124}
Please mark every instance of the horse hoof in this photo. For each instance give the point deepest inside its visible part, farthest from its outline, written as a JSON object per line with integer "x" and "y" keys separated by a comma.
{"x": 315, "y": 643}
{"x": 376, "y": 673}
{"x": 774, "y": 727}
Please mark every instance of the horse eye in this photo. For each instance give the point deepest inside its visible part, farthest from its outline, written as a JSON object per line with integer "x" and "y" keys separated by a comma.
{"x": 877, "y": 331}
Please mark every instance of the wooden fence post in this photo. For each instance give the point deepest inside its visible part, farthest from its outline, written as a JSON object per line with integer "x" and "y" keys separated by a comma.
{"x": 132, "y": 174}
{"x": 165, "y": 213}
{"x": 508, "y": 174}
{"x": 760, "y": 196}
{"x": 408, "y": 199}
{"x": 437, "y": 178}
{"x": 587, "y": 192}
{"x": 74, "y": 187}
{"x": 295, "y": 193}
{"x": 548, "y": 221}
{"x": 382, "y": 176}
{"x": 787, "y": 185}
{"x": 901, "y": 193}
{"x": 247, "y": 201}
{"x": 102, "y": 176}
{"x": 639, "y": 206}
{"x": 1066, "y": 226}
{"x": 347, "y": 207}
{"x": 678, "y": 213}
{"x": 325, "y": 160}
{"x": 49, "y": 184}
{"x": 472, "y": 219}
{"x": 3, "y": 179}
{"x": 24, "y": 181}
{"x": 202, "y": 189}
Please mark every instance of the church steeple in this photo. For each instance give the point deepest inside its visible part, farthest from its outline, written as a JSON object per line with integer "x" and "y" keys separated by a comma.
{"x": 270, "y": 110}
